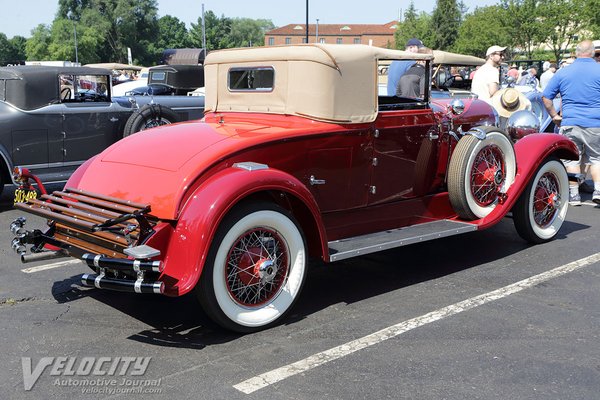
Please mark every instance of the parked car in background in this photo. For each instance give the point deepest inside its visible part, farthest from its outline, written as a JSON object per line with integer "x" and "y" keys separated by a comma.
{"x": 125, "y": 88}
{"x": 55, "y": 118}
{"x": 280, "y": 170}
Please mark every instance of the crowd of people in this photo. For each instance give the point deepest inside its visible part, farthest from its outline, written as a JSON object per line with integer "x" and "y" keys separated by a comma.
{"x": 576, "y": 81}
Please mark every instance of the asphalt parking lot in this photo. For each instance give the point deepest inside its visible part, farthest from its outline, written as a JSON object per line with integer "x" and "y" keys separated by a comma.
{"x": 477, "y": 316}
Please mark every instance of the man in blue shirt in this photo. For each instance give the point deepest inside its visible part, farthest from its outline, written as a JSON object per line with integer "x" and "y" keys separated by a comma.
{"x": 399, "y": 68}
{"x": 579, "y": 89}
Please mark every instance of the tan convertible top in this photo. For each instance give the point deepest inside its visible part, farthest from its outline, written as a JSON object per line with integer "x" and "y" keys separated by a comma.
{"x": 445, "y": 57}
{"x": 336, "y": 83}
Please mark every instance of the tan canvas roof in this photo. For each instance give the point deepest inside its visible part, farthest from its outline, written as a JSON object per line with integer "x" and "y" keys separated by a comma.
{"x": 327, "y": 82}
{"x": 445, "y": 57}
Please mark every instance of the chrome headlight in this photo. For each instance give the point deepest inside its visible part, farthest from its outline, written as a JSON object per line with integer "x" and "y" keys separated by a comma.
{"x": 522, "y": 123}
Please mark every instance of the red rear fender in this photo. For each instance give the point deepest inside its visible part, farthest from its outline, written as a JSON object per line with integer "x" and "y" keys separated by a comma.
{"x": 205, "y": 208}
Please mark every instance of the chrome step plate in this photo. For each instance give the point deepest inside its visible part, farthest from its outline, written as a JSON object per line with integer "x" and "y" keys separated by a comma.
{"x": 378, "y": 241}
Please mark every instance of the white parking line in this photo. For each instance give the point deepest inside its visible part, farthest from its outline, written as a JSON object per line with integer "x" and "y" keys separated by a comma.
{"x": 49, "y": 266}
{"x": 268, "y": 378}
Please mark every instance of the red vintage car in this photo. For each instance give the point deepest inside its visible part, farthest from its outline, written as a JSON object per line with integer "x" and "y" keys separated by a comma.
{"x": 297, "y": 157}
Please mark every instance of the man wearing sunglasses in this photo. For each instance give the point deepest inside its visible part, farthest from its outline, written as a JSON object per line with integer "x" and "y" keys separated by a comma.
{"x": 486, "y": 80}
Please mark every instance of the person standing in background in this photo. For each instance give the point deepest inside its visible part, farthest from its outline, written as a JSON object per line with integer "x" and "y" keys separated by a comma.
{"x": 579, "y": 89}
{"x": 398, "y": 68}
{"x": 486, "y": 80}
{"x": 546, "y": 76}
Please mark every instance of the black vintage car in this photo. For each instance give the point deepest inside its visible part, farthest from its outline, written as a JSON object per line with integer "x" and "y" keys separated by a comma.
{"x": 52, "y": 119}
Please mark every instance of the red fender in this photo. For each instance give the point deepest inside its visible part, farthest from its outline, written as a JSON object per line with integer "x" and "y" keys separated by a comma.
{"x": 201, "y": 215}
{"x": 530, "y": 152}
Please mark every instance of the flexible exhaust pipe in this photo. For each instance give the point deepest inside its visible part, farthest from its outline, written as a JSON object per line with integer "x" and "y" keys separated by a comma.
{"x": 44, "y": 255}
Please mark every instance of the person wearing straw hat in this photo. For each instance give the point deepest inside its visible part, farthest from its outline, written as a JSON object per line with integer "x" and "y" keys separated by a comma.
{"x": 508, "y": 101}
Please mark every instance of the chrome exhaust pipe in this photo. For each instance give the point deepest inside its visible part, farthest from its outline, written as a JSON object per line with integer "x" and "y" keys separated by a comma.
{"x": 122, "y": 285}
{"x": 122, "y": 264}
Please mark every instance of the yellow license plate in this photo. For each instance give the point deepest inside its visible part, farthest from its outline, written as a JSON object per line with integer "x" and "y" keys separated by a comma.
{"x": 22, "y": 195}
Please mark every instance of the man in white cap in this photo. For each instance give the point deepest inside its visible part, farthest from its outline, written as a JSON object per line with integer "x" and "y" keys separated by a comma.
{"x": 486, "y": 80}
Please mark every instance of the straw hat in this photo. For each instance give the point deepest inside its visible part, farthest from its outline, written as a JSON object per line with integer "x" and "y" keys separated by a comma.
{"x": 508, "y": 100}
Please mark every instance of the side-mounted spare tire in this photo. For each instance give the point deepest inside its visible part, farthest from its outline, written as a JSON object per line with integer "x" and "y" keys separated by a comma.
{"x": 149, "y": 116}
{"x": 479, "y": 171}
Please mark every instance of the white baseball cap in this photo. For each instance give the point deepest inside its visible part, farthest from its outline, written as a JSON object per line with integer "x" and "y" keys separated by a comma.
{"x": 494, "y": 49}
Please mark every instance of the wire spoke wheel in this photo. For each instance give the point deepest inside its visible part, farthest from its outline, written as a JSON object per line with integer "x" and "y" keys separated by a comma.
{"x": 480, "y": 171}
{"x": 487, "y": 175}
{"x": 257, "y": 267}
{"x": 541, "y": 209}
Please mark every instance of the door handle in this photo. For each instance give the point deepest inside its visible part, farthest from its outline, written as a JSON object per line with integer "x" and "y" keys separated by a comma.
{"x": 314, "y": 181}
{"x": 114, "y": 119}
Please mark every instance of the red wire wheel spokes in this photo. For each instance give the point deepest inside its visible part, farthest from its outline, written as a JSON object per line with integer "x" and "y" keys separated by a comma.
{"x": 487, "y": 175}
{"x": 257, "y": 267}
{"x": 546, "y": 200}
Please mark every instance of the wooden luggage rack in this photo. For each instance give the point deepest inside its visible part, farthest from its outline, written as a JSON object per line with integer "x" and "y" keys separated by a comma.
{"x": 85, "y": 222}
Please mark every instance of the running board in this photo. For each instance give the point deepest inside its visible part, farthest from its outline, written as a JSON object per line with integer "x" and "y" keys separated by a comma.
{"x": 378, "y": 241}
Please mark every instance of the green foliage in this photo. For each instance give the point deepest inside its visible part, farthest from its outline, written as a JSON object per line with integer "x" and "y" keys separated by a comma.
{"x": 521, "y": 18}
{"x": 217, "y": 32}
{"x": 12, "y": 50}
{"x": 444, "y": 24}
{"x": 481, "y": 30}
{"x": 36, "y": 47}
{"x": 106, "y": 28}
{"x": 246, "y": 32}
{"x": 172, "y": 34}
{"x": 563, "y": 21}
{"x": 414, "y": 25}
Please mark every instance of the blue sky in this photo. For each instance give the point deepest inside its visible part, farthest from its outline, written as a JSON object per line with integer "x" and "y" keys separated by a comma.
{"x": 20, "y": 17}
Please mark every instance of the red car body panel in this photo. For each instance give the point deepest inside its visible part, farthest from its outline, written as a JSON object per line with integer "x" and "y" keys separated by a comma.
{"x": 196, "y": 185}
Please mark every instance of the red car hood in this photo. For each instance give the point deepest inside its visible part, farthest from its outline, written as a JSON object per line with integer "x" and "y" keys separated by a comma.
{"x": 157, "y": 166}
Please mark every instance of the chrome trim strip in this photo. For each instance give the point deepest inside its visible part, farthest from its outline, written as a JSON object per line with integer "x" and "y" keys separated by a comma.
{"x": 250, "y": 166}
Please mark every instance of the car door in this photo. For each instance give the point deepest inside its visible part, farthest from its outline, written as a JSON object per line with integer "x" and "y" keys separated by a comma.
{"x": 36, "y": 138}
{"x": 404, "y": 154}
{"x": 91, "y": 121}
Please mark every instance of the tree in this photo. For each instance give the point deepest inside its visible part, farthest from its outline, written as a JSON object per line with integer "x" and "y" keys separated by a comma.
{"x": 475, "y": 35}
{"x": 246, "y": 32}
{"x": 217, "y": 32}
{"x": 114, "y": 25}
{"x": 12, "y": 50}
{"x": 521, "y": 18}
{"x": 36, "y": 47}
{"x": 172, "y": 34}
{"x": 591, "y": 8}
{"x": 18, "y": 44}
{"x": 445, "y": 22}
{"x": 563, "y": 21}
{"x": 414, "y": 25}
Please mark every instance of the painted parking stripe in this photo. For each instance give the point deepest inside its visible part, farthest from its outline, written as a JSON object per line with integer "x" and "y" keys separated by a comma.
{"x": 268, "y": 378}
{"x": 50, "y": 266}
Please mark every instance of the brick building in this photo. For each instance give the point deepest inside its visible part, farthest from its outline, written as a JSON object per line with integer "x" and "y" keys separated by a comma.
{"x": 375, "y": 35}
